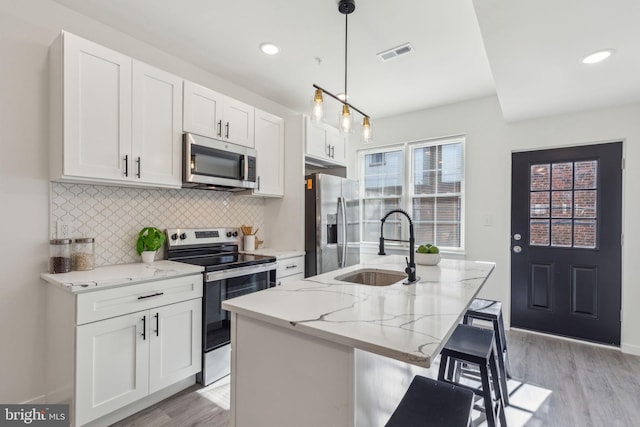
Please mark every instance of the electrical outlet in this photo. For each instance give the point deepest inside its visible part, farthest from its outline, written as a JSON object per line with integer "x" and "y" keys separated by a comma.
{"x": 63, "y": 229}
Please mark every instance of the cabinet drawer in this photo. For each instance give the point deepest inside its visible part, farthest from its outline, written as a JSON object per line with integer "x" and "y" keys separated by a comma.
{"x": 290, "y": 266}
{"x": 290, "y": 279}
{"x": 98, "y": 305}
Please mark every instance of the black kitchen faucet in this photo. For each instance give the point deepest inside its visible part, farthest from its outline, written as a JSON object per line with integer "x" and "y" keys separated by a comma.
{"x": 411, "y": 262}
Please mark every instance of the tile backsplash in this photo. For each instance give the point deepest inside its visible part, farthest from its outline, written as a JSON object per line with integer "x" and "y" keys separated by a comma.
{"x": 115, "y": 215}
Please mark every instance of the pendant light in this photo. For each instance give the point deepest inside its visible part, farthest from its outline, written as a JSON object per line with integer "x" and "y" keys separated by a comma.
{"x": 345, "y": 117}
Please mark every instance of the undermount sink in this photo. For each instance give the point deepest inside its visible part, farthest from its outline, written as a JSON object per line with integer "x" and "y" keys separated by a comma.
{"x": 372, "y": 277}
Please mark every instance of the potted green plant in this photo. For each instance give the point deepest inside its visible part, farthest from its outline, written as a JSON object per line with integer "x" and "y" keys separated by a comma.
{"x": 150, "y": 239}
{"x": 427, "y": 254}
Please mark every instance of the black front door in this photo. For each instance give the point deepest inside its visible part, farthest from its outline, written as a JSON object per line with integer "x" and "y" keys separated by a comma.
{"x": 566, "y": 216}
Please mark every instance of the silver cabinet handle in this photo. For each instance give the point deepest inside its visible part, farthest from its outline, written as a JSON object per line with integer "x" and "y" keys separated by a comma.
{"x": 290, "y": 266}
{"x": 219, "y": 128}
{"x": 139, "y": 162}
{"x": 226, "y": 127}
{"x": 126, "y": 165}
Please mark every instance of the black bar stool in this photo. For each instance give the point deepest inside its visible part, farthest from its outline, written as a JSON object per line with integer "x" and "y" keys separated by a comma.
{"x": 431, "y": 403}
{"x": 491, "y": 311}
{"x": 472, "y": 345}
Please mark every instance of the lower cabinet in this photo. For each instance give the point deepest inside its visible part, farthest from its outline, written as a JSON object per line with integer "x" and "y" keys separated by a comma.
{"x": 289, "y": 269}
{"x": 123, "y": 359}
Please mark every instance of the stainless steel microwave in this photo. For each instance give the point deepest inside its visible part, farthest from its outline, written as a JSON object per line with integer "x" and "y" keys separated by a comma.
{"x": 217, "y": 165}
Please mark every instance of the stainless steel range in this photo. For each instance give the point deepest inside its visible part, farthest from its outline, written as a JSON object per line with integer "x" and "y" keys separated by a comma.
{"x": 227, "y": 274}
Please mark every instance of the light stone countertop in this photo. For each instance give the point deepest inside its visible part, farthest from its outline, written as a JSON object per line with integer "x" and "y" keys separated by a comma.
{"x": 409, "y": 323}
{"x": 119, "y": 275}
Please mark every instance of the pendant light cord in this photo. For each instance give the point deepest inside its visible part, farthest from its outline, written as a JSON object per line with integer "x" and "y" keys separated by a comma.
{"x": 346, "y": 35}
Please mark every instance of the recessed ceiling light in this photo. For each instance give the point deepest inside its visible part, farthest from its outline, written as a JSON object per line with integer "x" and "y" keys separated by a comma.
{"x": 598, "y": 56}
{"x": 269, "y": 48}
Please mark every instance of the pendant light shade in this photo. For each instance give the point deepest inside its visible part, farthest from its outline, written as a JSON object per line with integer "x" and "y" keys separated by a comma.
{"x": 367, "y": 133}
{"x": 345, "y": 117}
{"x": 317, "y": 113}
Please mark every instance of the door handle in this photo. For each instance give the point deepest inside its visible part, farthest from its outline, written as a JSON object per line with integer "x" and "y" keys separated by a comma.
{"x": 517, "y": 249}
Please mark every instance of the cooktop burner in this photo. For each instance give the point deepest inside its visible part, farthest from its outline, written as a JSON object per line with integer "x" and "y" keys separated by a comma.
{"x": 213, "y": 248}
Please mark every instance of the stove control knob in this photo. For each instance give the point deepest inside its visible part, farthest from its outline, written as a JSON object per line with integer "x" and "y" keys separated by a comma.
{"x": 235, "y": 234}
{"x": 183, "y": 236}
{"x": 174, "y": 236}
{"x": 229, "y": 234}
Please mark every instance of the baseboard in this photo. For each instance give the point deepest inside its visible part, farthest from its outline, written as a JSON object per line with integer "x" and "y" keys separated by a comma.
{"x": 38, "y": 400}
{"x": 560, "y": 337}
{"x": 630, "y": 349}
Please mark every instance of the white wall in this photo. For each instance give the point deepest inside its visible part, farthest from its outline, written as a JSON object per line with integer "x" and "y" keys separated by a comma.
{"x": 27, "y": 28}
{"x": 490, "y": 142}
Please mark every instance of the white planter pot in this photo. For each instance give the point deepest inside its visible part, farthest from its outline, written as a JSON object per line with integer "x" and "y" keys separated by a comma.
{"x": 148, "y": 256}
{"x": 427, "y": 259}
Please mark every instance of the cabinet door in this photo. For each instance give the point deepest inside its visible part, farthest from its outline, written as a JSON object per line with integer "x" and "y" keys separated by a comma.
{"x": 203, "y": 111}
{"x": 336, "y": 143}
{"x": 316, "y": 140}
{"x": 157, "y": 126}
{"x": 238, "y": 119}
{"x": 111, "y": 364}
{"x": 97, "y": 110}
{"x": 176, "y": 343}
{"x": 270, "y": 151}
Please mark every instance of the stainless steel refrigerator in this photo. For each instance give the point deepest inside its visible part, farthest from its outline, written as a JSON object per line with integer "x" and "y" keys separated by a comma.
{"x": 332, "y": 223}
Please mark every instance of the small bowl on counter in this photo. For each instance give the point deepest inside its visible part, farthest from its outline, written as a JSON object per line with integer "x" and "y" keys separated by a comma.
{"x": 427, "y": 259}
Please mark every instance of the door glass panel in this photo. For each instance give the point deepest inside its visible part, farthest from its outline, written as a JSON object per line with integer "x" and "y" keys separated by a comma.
{"x": 539, "y": 232}
{"x": 567, "y": 193}
{"x": 561, "y": 232}
{"x": 562, "y": 174}
{"x": 540, "y": 176}
{"x": 561, "y": 204}
{"x": 584, "y": 234}
{"x": 586, "y": 174}
{"x": 540, "y": 205}
{"x": 586, "y": 203}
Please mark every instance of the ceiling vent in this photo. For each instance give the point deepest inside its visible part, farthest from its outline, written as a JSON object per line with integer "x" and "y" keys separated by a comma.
{"x": 395, "y": 52}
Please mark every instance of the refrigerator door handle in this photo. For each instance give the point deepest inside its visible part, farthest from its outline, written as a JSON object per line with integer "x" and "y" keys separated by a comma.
{"x": 342, "y": 248}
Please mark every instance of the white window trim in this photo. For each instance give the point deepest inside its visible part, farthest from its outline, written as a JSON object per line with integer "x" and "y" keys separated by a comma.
{"x": 407, "y": 196}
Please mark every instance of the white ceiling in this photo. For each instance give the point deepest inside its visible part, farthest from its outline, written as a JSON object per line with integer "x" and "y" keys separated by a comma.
{"x": 533, "y": 49}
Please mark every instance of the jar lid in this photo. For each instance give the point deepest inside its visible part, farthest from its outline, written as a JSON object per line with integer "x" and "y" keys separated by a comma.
{"x": 84, "y": 240}
{"x": 60, "y": 241}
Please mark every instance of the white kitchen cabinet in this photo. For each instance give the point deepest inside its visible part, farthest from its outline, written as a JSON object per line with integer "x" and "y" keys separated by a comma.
{"x": 289, "y": 269}
{"x": 212, "y": 114}
{"x": 113, "y": 120}
{"x": 117, "y": 350}
{"x": 111, "y": 364}
{"x": 269, "y": 132}
{"x": 157, "y": 126}
{"x": 324, "y": 144}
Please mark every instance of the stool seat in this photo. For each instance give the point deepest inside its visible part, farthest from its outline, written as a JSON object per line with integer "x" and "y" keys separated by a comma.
{"x": 485, "y": 308}
{"x": 471, "y": 341}
{"x": 430, "y": 403}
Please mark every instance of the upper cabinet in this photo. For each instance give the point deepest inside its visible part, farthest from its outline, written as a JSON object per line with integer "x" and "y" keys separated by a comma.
{"x": 269, "y": 131}
{"x": 325, "y": 144}
{"x": 212, "y": 114}
{"x": 114, "y": 120}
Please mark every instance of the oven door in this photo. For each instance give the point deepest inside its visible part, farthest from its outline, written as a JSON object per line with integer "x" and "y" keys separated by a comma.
{"x": 224, "y": 285}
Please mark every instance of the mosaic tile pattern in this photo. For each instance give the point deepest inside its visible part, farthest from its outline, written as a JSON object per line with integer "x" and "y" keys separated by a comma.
{"x": 115, "y": 215}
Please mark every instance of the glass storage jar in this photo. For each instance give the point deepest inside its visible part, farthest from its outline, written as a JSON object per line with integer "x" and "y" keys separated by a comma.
{"x": 59, "y": 255}
{"x": 83, "y": 254}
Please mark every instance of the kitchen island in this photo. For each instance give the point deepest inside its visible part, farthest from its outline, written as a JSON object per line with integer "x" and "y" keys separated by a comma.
{"x": 320, "y": 352}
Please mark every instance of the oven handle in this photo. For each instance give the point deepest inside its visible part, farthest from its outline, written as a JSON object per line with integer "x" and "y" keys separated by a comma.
{"x": 237, "y": 272}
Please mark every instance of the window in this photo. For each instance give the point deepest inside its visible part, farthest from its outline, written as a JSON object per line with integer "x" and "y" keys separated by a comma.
{"x": 426, "y": 179}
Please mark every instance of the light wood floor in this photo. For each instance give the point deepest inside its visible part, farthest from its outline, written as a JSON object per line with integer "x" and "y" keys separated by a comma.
{"x": 557, "y": 383}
